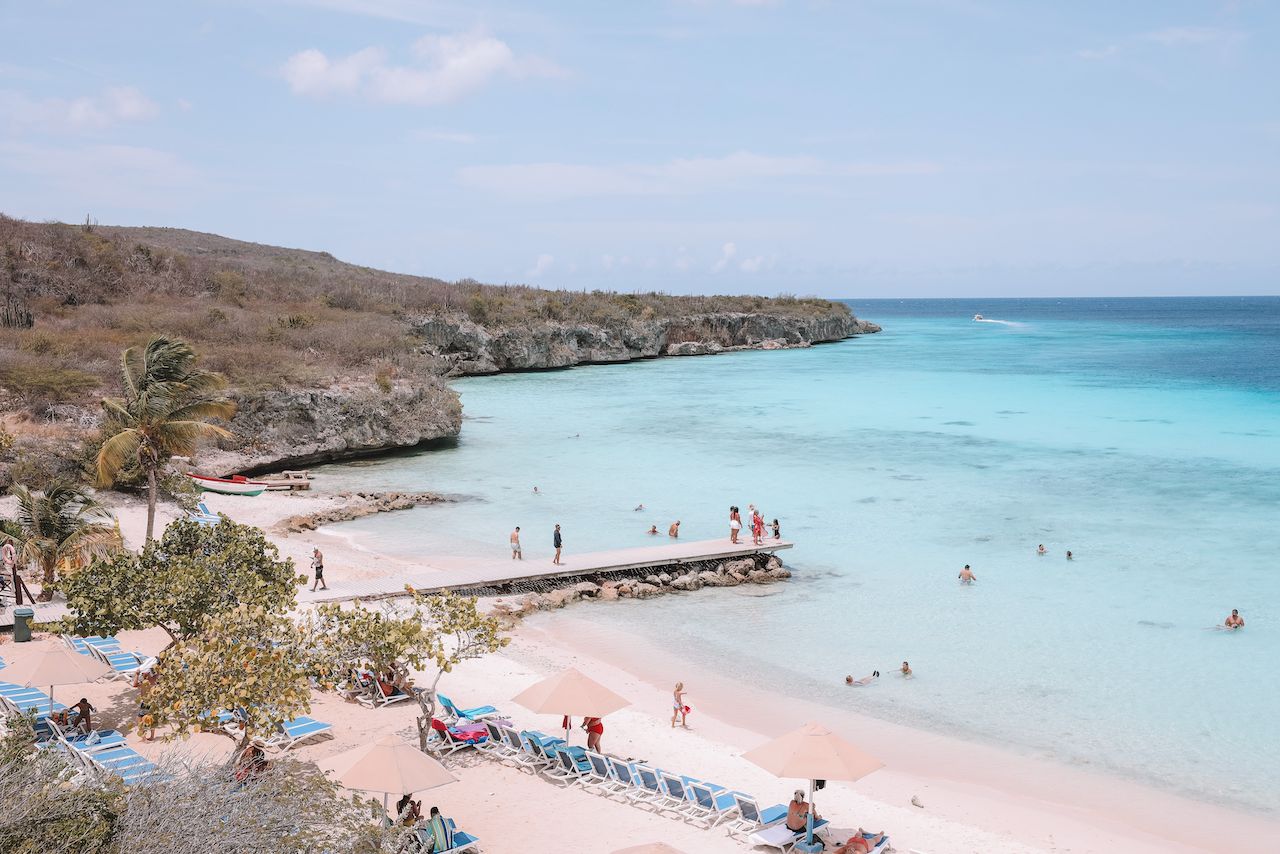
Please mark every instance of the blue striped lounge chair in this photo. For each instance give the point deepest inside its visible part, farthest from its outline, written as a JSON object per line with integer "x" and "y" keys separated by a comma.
{"x": 107, "y": 739}
{"x": 716, "y": 804}
{"x": 124, "y": 762}
{"x": 752, "y": 818}
{"x": 85, "y": 645}
{"x": 782, "y": 837}
{"x": 636, "y": 794}
{"x": 476, "y": 715}
{"x": 456, "y": 840}
{"x": 294, "y": 732}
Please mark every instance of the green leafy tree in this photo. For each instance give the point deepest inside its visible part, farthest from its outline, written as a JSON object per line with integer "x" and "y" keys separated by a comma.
{"x": 62, "y": 523}
{"x": 192, "y": 572}
{"x": 431, "y": 634}
{"x": 164, "y": 411}
{"x": 246, "y": 661}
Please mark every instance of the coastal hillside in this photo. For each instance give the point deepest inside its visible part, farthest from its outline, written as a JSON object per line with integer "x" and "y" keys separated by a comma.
{"x": 326, "y": 359}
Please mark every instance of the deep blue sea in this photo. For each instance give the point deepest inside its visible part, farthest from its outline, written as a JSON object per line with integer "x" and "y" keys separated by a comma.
{"x": 1141, "y": 434}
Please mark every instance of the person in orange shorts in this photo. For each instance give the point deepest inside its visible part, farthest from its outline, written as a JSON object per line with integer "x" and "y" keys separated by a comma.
{"x": 860, "y": 843}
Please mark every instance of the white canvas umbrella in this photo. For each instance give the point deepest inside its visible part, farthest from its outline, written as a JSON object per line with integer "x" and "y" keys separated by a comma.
{"x": 570, "y": 693}
{"x": 389, "y": 765}
{"x": 54, "y": 665}
{"x": 813, "y": 752}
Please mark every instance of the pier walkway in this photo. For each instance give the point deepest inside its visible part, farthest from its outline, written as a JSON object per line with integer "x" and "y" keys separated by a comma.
{"x": 517, "y": 571}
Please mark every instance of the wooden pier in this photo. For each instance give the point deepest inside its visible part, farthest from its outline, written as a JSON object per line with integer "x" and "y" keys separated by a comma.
{"x": 508, "y": 572}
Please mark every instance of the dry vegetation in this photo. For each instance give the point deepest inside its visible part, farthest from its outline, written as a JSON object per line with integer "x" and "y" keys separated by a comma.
{"x": 72, "y": 297}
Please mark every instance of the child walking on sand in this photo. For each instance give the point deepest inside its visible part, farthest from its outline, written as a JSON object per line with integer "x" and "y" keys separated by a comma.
{"x": 679, "y": 709}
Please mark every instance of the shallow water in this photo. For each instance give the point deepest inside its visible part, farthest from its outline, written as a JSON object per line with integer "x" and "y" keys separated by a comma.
{"x": 1139, "y": 434}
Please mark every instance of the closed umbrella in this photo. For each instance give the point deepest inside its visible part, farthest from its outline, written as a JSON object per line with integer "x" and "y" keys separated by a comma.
{"x": 389, "y": 765}
{"x": 813, "y": 752}
{"x": 570, "y": 693}
{"x": 55, "y": 665}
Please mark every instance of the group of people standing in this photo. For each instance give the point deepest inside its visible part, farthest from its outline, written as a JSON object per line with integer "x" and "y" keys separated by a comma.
{"x": 557, "y": 542}
{"x": 757, "y": 523}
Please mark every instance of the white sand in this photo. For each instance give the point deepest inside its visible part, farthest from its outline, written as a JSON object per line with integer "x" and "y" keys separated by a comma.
{"x": 513, "y": 811}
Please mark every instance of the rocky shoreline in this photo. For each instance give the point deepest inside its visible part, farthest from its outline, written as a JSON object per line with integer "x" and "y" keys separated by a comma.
{"x": 758, "y": 569}
{"x": 471, "y": 349}
{"x": 359, "y": 505}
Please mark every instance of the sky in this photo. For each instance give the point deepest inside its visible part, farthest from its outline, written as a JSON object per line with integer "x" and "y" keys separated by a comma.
{"x": 917, "y": 148}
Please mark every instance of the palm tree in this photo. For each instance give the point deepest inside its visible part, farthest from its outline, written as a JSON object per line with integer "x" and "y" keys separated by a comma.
{"x": 63, "y": 523}
{"x": 162, "y": 413}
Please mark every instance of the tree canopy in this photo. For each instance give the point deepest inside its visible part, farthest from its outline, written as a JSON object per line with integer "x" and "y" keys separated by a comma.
{"x": 164, "y": 411}
{"x": 62, "y": 523}
{"x": 191, "y": 573}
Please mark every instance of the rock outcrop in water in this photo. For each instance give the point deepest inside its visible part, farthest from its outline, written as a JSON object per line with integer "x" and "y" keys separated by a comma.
{"x": 475, "y": 349}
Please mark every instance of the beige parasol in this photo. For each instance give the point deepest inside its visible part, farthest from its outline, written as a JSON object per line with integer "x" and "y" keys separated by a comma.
{"x": 55, "y": 665}
{"x": 570, "y": 693}
{"x": 389, "y": 765}
{"x": 813, "y": 752}
{"x": 650, "y": 848}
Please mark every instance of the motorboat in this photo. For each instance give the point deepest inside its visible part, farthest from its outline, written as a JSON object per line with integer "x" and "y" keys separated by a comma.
{"x": 977, "y": 317}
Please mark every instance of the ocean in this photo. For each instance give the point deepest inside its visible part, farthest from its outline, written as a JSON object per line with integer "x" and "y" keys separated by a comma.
{"x": 1140, "y": 434}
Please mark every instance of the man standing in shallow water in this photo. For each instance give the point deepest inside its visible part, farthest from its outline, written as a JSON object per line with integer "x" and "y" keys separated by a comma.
{"x": 515, "y": 544}
{"x": 1235, "y": 621}
{"x": 558, "y": 543}
{"x": 966, "y": 576}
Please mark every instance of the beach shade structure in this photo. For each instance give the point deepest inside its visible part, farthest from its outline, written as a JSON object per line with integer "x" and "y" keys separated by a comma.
{"x": 389, "y": 765}
{"x": 54, "y": 666}
{"x": 571, "y": 694}
{"x": 650, "y": 848}
{"x": 813, "y": 752}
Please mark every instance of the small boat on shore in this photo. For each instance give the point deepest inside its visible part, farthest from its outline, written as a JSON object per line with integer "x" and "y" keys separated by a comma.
{"x": 237, "y": 485}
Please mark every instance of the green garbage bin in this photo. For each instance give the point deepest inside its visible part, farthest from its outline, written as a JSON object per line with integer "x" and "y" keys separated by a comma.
{"x": 22, "y": 624}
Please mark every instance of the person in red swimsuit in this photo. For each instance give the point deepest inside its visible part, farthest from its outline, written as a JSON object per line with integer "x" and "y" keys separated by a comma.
{"x": 595, "y": 729}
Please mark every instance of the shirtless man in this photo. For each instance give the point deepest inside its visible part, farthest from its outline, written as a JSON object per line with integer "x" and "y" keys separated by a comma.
{"x": 652, "y": 530}
{"x": 798, "y": 812}
{"x": 515, "y": 544}
{"x": 1041, "y": 550}
{"x": 1235, "y": 621}
{"x": 966, "y": 576}
{"x": 674, "y": 530}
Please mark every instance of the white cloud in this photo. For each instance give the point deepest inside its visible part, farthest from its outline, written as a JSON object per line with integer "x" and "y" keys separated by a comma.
{"x": 729, "y": 251}
{"x": 116, "y": 176}
{"x": 118, "y": 104}
{"x": 607, "y": 261}
{"x": 449, "y": 67}
{"x": 1183, "y": 36}
{"x": 543, "y": 264}
{"x": 675, "y": 177}
{"x": 752, "y": 265}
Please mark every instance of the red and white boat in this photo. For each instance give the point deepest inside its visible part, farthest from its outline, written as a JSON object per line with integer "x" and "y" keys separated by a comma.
{"x": 237, "y": 485}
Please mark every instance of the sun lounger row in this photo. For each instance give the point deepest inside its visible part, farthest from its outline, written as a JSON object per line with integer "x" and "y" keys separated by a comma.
{"x": 124, "y": 762}
{"x": 108, "y": 651}
{"x": 286, "y": 736}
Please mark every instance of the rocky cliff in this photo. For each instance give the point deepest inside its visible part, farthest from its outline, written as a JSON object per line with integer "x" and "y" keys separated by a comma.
{"x": 475, "y": 349}
{"x": 297, "y": 427}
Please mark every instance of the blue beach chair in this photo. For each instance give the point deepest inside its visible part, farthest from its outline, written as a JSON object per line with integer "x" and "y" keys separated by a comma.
{"x": 475, "y": 715}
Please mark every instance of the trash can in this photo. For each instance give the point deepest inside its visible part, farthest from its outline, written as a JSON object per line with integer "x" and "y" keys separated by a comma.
{"x": 22, "y": 624}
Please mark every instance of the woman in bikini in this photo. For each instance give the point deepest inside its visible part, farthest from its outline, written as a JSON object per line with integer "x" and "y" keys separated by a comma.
{"x": 735, "y": 524}
{"x": 678, "y": 706}
{"x": 595, "y": 729}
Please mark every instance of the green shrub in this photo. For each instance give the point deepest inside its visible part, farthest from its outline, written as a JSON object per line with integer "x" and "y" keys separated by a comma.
{"x": 384, "y": 383}
{"x": 33, "y": 382}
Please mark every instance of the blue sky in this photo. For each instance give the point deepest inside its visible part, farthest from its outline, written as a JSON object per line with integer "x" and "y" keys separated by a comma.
{"x": 856, "y": 149}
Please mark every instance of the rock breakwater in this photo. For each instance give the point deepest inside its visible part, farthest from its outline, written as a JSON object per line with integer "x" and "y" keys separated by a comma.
{"x": 357, "y": 506}
{"x": 760, "y": 569}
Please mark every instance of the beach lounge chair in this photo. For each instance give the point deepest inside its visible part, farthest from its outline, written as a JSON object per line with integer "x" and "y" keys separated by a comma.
{"x": 124, "y": 762}
{"x": 636, "y": 794}
{"x": 715, "y": 805}
{"x": 374, "y": 695}
{"x": 495, "y": 745}
{"x": 522, "y": 755}
{"x": 782, "y": 837}
{"x": 543, "y": 748}
{"x": 752, "y": 818}
{"x": 458, "y": 841}
{"x": 94, "y": 742}
{"x": 681, "y": 788}
{"x": 447, "y": 741}
{"x": 293, "y": 732}
{"x": 125, "y": 664}
{"x": 476, "y": 715}
{"x": 601, "y": 776}
{"x": 83, "y": 645}
{"x": 21, "y": 701}
{"x": 650, "y": 779}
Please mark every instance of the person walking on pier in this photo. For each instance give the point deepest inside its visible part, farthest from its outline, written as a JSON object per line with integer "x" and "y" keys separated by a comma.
{"x": 735, "y": 525}
{"x": 515, "y": 544}
{"x": 317, "y": 564}
{"x": 558, "y": 543}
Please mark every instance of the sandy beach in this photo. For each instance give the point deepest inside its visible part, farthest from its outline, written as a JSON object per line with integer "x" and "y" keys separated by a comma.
{"x": 975, "y": 799}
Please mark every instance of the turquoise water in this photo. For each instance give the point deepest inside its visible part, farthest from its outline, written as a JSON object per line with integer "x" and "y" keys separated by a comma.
{"x": 1140, "y": 434}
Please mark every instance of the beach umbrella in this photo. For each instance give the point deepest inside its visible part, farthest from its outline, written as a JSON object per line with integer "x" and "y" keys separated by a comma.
{"x": 650, "y": 848}
{"x": 389, "y": 765}
{"x": 570, "y": 693}
{"x": 813, "y": 752}
{"x": 55, "y": 665}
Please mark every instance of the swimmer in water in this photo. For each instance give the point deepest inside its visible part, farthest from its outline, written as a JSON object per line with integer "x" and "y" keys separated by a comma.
{"x": 652, "y": 530}
{"x": 1068, "y": 555}
{"x": 1042, "y": 550}
{"x": 639, "y": 507}
{"x": 1235, "y": 621}
{"x": 866, "y": 680}
{"x": 535, "y": 489}
{"x": 967, "y": 577}
{"x": 906, "y": 671}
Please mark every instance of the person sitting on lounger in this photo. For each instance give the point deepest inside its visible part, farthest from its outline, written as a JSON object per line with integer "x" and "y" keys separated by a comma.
{"x": 860, "y": 843}
{"x": 438, "y": 829}
{"x": 798, "y": 812}
{"x": 252, "y": 762}
{"x": 408, "y": 811}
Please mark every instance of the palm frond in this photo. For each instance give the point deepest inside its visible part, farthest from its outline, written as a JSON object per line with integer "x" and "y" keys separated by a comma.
{"x": 218, "y": 408}
{"x": 116, "y": 453}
